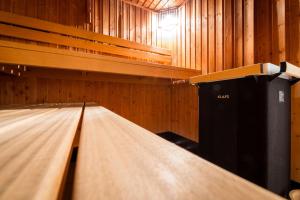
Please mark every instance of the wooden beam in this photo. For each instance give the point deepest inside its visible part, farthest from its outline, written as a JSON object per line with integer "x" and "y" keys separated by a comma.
{"x": 256, "y": 69}
{"x": 33, "y": 55}
{"x": 139, "y": 6}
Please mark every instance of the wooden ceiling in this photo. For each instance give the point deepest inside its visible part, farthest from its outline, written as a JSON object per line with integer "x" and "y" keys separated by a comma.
{"x": 156, "y": 5}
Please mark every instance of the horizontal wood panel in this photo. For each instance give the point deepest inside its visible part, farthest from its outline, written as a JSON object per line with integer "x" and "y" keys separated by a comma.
{"x": 39, "y": 36}
{"x": 127, "y": 96}
{"x": 119, "y": 160}
{"x": 66, "y": 30}
{"x": 26, "y": 54}
{"x": 42, "y": 142}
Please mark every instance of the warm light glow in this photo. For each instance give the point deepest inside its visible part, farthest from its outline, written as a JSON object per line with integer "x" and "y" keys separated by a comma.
{"x": 168, "y": 23}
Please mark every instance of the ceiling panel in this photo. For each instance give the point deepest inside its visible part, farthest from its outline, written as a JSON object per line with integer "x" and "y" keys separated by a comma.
{"x": 156, "y": 5}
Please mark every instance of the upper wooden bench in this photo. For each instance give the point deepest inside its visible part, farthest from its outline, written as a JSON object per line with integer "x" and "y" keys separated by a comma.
{"x": 120, "y": 160}
{"x": 35, "y": 146}
{"x": 33, "y": 42}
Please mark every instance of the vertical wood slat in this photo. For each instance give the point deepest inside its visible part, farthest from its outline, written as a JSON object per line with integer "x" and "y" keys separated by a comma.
{"x": 183, "y": 42}
{"x": 211, "y": 36}
{"x": 219, "y": 35}
{"x": 193, "y": 34}
{"x": 198, "y": 40}
{"x": 220, "y": 31}
{"x": 188, "y": 35}
{"x": 238, "y": 33}
{"x": 228, "y": 34}
{"x": 249, "y": 32}
{"x": 204, "y": 37}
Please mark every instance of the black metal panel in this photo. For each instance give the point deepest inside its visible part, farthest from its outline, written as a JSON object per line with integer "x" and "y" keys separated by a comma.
{"x": 244, "y": 127}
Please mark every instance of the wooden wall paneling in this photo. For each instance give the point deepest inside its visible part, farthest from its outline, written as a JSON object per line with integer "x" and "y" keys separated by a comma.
{"x": 262, "y": 31}
{"x": 193, "y": 33}
{"x": 144, "y": 24}
{"x": 126, "y": 21}
{"x": 183, "y": 37}
{"x": 188, "y": 34}
{"x": 106, "y": 20}
{"x": 204, "y": 37}
{"x": 138, "y": 25}
{"x": 211, "y": 37}
{"x": 248, "y": 32}
{"x": 184, "y": 111}
{"x": 219, "y": 35}
{"x": 112, "y": 22}
{"x": 159, "y": 30}
{"x": 293, "y": 31}
{"x": 228, "y": 34}
{"x": 198, "y": 39}
{"x": 132, "y": 24}
{"x": 178, "y": 39}
{"x": 127, "y": 99}
{"x": 238, "y": 33}
{"x": 279, "y": 25}
{"x": 149, "y": 28}
{"x": 154, "y": 23}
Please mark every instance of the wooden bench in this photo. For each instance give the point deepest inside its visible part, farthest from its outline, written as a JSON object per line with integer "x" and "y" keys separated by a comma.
{"x": 35, "y": 146}
{"x": 33, "y": 42}
{"x": 32, "y": 29}
{"x": 120, "y": 160}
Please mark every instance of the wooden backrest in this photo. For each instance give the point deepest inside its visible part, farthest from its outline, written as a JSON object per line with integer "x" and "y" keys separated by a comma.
{"x": 32, "y": 29}
{"x": 35, "y": 147}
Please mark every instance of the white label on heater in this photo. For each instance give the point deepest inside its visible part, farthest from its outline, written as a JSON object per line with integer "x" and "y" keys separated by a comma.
{"x": 281, "y": 96}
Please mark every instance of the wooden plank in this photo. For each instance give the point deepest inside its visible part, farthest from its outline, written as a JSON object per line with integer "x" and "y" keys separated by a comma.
{"x": 198, "y": 35}
{"x": 248, "y": 32}
{"x": 238, "y": 33}
{"x": 119, "y": 160}
{"x": 183, "y": 37}
{"x": 32, "y": 55}
{"x": 106, "y": 23}
{"x": 255, "y": 69}
{"x": 228, "y": 35}
{"x": 42, "y": 143}
{"x": 23, "y": 33}
{"x": 132, "y": 25}
{"x": 219, "y": 35}
{"x": 188, "y": 35}
{"x": 61, "y": 29}
{"x": 138, "y": 24}
{"x": 211, "y": 37}
{"x": 204, "y": 67}
{"x": 262, "y": 31}
{"x": 193, "y": 34}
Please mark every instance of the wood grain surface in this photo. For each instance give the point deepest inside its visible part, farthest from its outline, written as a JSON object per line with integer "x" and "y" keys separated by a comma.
{"x": 120, "y": 160}
{"x": 35, "y": 144}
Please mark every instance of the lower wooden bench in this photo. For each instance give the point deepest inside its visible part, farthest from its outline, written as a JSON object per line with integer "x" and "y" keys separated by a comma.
{"x": 35, "y": 145}
{"x": 120, "y": 160}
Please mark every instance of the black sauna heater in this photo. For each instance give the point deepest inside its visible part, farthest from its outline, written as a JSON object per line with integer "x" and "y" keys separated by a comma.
{"x": 245, "y": 126}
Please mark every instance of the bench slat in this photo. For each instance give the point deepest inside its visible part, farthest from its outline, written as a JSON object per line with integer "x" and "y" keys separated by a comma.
{"x": 35, "y": 145}
{"x": 67, "y": 30}
{"x": 120, "y": 160}
{"x": 28, "y": 34}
